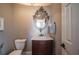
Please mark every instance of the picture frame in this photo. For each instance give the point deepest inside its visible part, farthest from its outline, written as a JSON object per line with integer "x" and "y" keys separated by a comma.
{"x": 1, "y": 23}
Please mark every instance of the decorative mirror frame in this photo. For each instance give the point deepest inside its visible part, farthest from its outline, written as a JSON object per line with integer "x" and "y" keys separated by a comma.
{"x": 41, "y": 14}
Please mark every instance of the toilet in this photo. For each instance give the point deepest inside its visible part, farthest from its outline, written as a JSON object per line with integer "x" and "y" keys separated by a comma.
{"x": 19, "y": 45}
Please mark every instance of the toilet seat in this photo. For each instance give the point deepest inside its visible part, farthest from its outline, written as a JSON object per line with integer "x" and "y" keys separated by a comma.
{"x": 16, "y": 52}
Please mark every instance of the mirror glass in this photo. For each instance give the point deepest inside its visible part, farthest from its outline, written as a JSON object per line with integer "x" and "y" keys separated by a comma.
{"x": 40, "y": 23}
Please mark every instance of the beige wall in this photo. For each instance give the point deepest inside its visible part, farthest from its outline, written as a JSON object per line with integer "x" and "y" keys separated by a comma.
{"x": 23, "y": 15}
{"x": 57, "y": 16}
{"x": 19, "y": 21}
{"x": 8, "y": 35}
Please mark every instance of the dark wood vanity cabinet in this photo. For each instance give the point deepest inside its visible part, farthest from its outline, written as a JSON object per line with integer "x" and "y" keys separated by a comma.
{"x": 42, "y": 47}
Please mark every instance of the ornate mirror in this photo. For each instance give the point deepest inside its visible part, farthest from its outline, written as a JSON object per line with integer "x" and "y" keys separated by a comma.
{"x": 41, "y": 19}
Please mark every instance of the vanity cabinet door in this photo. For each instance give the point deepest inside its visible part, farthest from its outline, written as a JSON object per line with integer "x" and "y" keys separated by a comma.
{"x": 42, "y": 47}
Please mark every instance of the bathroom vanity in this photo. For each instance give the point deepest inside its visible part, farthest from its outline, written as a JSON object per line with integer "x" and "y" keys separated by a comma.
{"x": 42, "y": 46}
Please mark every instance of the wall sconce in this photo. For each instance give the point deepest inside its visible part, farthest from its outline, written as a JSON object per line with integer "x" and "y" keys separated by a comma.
{"x": 41, "y": 19}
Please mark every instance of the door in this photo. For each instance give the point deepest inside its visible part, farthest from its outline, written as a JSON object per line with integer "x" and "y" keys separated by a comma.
{"x": 66, "y": 29}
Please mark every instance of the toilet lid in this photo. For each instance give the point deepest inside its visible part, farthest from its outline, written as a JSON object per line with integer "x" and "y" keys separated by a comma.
{"x": 20, "y": 40}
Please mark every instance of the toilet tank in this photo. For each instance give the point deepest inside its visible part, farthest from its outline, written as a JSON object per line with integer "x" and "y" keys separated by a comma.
{"x": 20, "y": 43}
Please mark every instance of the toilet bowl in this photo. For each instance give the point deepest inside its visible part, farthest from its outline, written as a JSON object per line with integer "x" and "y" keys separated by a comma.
{"x": 19, "y": 44}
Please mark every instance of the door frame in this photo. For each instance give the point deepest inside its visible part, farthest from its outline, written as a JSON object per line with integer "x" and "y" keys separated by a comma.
{"x": 66, "y": 27}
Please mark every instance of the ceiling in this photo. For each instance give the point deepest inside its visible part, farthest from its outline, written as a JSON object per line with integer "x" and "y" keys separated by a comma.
{"x": 36, "y": 4}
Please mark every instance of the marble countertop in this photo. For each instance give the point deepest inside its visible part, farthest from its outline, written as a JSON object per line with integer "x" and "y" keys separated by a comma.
{"x": 42, "y": 38}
